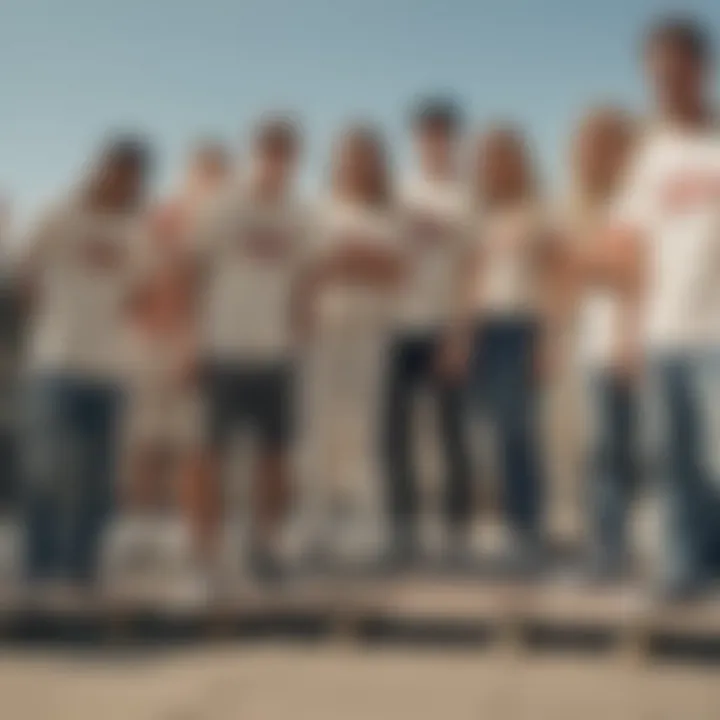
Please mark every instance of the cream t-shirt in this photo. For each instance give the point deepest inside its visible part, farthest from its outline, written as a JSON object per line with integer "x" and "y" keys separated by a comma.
{"x": 596, "y": 319}
{"x": 510, "y": 242}
{"x": 249, "y": 255}
{"x": 672, "y": 200}
{"x": 85, "y": 266}
{"x": 436, "y": 231}
{"x": 339, "y": 224}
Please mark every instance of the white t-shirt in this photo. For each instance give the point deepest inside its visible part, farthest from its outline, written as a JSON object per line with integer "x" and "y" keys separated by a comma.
{"x": 672, "y": 198}
{"x": 596, "y": 320}
{"x": 436, "y": 232}
{"x": 250, "y": 254}
{"x": 341, "y": 224}
{"x": 510, "y": 242}
{"x": 86, "y": 265}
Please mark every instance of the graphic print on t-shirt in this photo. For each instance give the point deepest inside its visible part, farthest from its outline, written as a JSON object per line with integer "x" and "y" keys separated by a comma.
{"x": 671, "y": 200}
{"x": 689, "y": 189}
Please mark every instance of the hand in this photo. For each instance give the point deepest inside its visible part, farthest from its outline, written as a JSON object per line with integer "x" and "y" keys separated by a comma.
{"x": 548, "y": 359}
{"x": 303, "y": 327}
{"x": 188, "y": 370}
{"x": 452, "y": 359}
{"x": 302, "y": 319}
{"x": 627, "y": 360}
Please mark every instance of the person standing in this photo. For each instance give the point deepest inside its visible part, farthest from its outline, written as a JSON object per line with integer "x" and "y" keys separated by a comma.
{"x": 248, "y": 249}
{"x": 600, "y": 151}
{"x": 81, "y": 268}
{"x": 515, "y": 296}
{"x": 435, "y": 219}
{"x": 664, "y": 249}
{"x": 164, "y": 415}
{"x": 348, "y": 296}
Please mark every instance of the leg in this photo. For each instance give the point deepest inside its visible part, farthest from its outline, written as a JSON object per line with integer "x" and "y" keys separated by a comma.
{"x": 97, "y": 414}
{"x": 458, "y": 488}
{"x": 685, "y": 477}
{"x": 707, "y": 393}
{"x": 201, "y": 486}
{"x": 47, "y": 429}
{"x": 145, "y": 488}
{"x": 8, "y": 470}
{"x": 518, "y": 423}
{"x": 273, "y": 411}
{"x": 190, "y": 476}
{"x": 271, "y": 493}
{"x": 613, "y": 472}
{"x": 400, "y": 480}
{"x": 200, "y": 498}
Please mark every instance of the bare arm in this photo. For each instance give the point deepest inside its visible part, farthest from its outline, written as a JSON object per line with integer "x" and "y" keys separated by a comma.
{"x": 561, "y": 281}
{"x": 456, "y": 347}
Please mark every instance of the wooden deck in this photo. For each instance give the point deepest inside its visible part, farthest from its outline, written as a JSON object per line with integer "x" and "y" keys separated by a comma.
{"x": 345, "y": 609}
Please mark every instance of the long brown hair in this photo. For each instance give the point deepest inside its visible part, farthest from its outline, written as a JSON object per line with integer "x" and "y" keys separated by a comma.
{"x": 360, "y": 166}
{"x": 504, "y": 169}
{"x": 120, "y": 174}
{"x": 598, "y": 155}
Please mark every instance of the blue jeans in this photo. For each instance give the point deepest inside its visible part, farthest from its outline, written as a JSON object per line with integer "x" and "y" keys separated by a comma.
{"x": 504, "y": 387}
{"x": 411, "y": 368}
{"x": 686, "y": 389}
{"x": 68, "y": 464}
{"x": 613, "y": 467}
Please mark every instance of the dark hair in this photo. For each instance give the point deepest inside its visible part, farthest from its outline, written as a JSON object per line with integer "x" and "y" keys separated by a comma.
{"x": 124, "y": 153}
{"x": 684, "y": 33}
{"x": 277, "y": 132}
{"x": 131, "y": 151}
{"x": 436, "y": 113}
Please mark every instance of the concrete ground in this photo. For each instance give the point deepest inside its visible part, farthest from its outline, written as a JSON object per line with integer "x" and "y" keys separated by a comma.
{"x": 333, "y": 682}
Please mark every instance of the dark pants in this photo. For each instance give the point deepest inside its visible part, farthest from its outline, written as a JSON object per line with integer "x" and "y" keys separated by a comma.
{"x": 505, "y": 390}
{"x": 69, "y": 466}
{"x": 8, "y": 470}
{"x": 686, "y": 388}
{"x": 259, "y": 395}
{"x": 614, "y": 466}
{"x": 411, "y": 368}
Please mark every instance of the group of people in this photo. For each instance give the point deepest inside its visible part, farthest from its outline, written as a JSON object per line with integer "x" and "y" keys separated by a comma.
{"x": 154, "y": 333}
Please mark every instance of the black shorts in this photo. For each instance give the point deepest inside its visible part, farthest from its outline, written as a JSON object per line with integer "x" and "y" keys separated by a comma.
{"x": 260, "y": 396}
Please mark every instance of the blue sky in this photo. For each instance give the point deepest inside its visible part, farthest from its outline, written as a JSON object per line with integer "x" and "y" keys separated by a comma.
{"x": 72, "y": 69}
